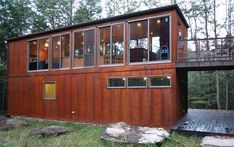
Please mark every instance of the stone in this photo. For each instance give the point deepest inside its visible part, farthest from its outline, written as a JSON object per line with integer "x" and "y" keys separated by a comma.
{"x": 17, "y": 123}
{"x": 11, "y": 123}
{"x": 216, "y": 141}
{"x": 49, "y": 131}
{"x": 125, "y": 133}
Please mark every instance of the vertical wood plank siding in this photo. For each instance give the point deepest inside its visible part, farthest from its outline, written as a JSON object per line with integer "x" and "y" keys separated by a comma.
{"x": 84, "y": 91}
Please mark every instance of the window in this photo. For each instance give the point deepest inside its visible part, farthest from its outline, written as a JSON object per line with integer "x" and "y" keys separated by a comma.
{"x": 151, "y": 40}
{"x": 84, "y": 48}
{"x": 49, "y": 90}
{"x": 33, "y": 55}
{"x": 116, "y": 82}
{"x": 137, "y": 82}
{"x": 111, "y": 44}
{"x": 138, "y": 43}
{"x": 61, "y": 51}
{"x": 38, "y": 54}
{"x": 160, "y": 81}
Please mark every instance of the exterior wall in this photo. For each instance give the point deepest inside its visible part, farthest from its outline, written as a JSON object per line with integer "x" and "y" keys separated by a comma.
{"x": 85, "y": 90}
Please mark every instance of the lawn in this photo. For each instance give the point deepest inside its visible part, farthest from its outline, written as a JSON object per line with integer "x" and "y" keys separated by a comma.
{"x": 80, "y": 135}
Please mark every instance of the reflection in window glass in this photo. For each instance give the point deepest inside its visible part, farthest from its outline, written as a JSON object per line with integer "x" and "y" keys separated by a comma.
{"x": 104, "y": 45}
{"x": 65, "y": 51}
{"x": 160, "y": 81}
{"x": 50, "y": 90}
{"x": 78, "y": 49}
{"x": 43, "y": 53}
{"x": 156, "y": 47}
{"x": 159, "y": 39}
{"x": 117, "y": 44}
{"x": 137, "y": 81}
{"x": 116, "y": 82}
{"x": 56, "y": 44}
{"x": 33, "y": 55}
{"x": 138, "y": 41}
{"x": 89, "y": 47}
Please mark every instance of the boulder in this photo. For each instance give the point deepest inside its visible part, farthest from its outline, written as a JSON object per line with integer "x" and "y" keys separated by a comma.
{"x": 49, "y": 131}
{"x": 217, "y": 141}
{"x": 124, "y": 133}
{"x": 11, "y": 123}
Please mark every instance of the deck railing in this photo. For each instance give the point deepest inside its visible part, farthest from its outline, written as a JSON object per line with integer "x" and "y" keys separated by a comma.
{"x": 209, "y": 49}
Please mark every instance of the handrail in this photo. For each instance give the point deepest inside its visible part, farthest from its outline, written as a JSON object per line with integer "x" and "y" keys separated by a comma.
{"x": 207, "y": 49}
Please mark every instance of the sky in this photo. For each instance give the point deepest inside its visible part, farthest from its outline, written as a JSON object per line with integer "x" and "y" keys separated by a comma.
{"x": 221, "y": 14}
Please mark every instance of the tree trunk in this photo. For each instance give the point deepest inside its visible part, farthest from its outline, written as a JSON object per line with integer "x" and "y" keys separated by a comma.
{"x": 226, "y": 106}
{"x": 217, "y": 91}
{"x": 206, "y": 23}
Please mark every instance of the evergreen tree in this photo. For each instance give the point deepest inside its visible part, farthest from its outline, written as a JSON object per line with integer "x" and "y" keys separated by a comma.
{"x": 88, "y": 10}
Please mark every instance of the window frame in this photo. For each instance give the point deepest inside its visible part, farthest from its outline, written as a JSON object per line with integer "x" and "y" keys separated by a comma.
{"x": 146, "y": 85}
{"x": 149, "y": 82}
{"x": 38, "y": 53}
{"x": 44, "y": 91}
{"x": 111, "y": 38}
{"x": 148, "y": 37}
{"x": 125, "y": 83}
{"x": 60, "y": 53}
{"x": 73, "y": 47}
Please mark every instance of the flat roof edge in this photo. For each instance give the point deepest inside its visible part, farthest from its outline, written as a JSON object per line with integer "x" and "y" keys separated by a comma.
{"x": 119, "y": 17}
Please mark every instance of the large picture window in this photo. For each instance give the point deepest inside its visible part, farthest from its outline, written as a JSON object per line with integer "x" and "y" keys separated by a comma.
{"x": 84, "y": 48}
{"x": 61, "y": 51}
{"x": 111, "y": 44}
{"x": 38, "y": 54}
{"x": 151, "y": 40}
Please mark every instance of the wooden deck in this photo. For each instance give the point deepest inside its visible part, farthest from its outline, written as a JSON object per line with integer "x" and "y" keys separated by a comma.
{"x": 206, "y": 122}
{"x": 206, "y": 65}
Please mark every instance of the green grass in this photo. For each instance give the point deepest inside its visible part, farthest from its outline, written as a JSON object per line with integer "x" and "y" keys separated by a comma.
{"x": 80, "y": 135}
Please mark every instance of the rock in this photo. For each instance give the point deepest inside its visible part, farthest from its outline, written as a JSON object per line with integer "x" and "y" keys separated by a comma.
{"x": 18, "y": 123}
{"x": 124, "y": 133}
{"x": 49, "y": 131}
{"x": 11, "y": 123}
{"x": 209, "y": 141}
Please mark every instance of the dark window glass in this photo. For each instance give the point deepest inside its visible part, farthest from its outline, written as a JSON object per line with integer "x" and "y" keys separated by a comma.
{"x": 137, "y": 81}
{"x": 65, "y": 51}
{"x": 159, "y": 39}
{"x": 117, "y": 44}
{"x": 160, "y": 81}
{"x": 43, "y": 53}
{"x": 33, "y": 55}
{"x": 116, "y": 82}
{"x": 138, "y": 43}
{"x": 56, "y": 45}
{"x": 104, "y": 46}
{"x": 78, "y": 49}
{"x": 89, "y": 47}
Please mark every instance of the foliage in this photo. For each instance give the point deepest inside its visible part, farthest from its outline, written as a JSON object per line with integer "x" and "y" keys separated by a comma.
{"x": 88, "y": 10}
{"x": 202, "y": 89}
{"x": 79, "y": 135}
{"x": 117, "y": 7}
{"x": 15, "y": 18}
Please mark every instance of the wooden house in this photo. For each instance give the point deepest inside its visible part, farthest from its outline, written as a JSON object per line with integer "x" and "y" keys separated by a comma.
{"x": 121, "y": 68}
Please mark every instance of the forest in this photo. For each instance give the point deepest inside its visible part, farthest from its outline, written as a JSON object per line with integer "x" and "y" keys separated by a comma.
{"x": 207, "y": 19}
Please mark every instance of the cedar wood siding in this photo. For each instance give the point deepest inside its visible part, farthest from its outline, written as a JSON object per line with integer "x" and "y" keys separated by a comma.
{"x": 85, "y": 90}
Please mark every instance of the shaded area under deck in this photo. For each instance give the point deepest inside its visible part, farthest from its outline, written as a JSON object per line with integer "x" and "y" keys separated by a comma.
{"x": 206, "y": 122}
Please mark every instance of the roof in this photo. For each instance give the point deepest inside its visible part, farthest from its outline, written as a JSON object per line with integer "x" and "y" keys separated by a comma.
{"x": 104, "y": 20}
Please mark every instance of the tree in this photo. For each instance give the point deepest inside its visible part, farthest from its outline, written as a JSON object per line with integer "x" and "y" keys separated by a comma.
{"x": 15, "y": 19}
{"x": 88, "y": 10}
{"x": 117, "y": 7}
